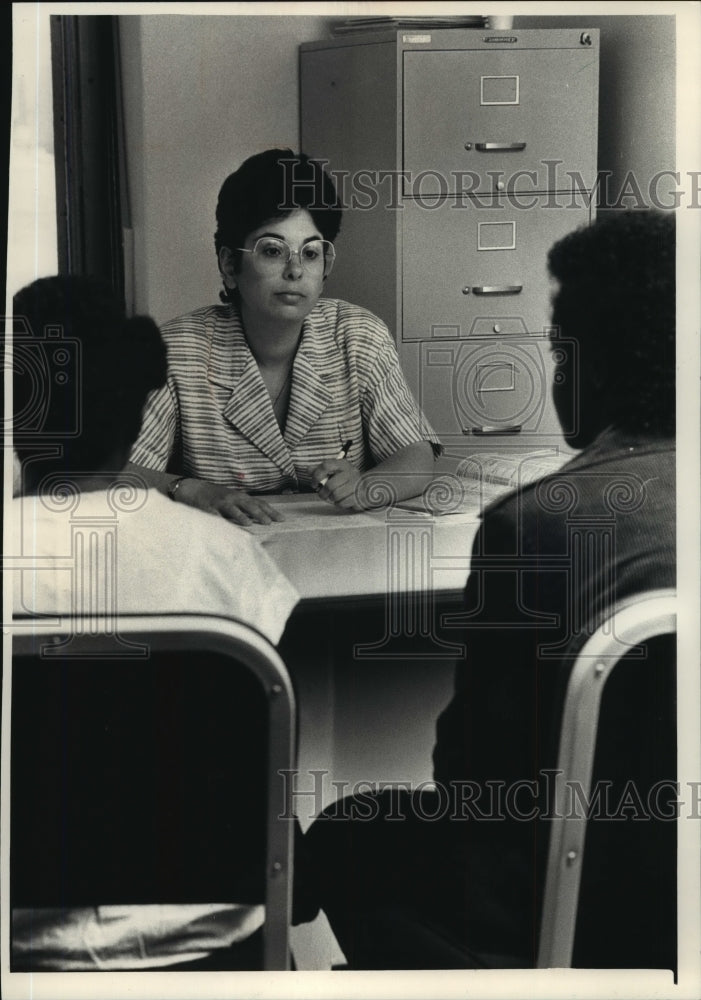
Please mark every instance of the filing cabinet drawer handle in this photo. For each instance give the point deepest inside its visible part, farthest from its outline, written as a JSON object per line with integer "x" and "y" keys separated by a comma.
{"x": 500, "y": 147}
{"x": 497, "y": 289}
{"x": 488, "y": 430}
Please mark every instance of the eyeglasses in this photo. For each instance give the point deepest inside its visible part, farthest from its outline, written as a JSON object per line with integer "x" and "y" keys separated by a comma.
{"x": 269, "y": 252}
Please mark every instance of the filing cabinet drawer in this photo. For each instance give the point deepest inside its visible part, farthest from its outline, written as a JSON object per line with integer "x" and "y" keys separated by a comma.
{"x": 473, "y": 271}
{"x": 486, "y": 389}
{"x": 474, "y": 119}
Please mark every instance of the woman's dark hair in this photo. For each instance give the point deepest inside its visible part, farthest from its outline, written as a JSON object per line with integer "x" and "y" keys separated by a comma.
{"x": 82, "y": 372}
{"x": 617, "y": 302}
{"x": 271, "y": 185}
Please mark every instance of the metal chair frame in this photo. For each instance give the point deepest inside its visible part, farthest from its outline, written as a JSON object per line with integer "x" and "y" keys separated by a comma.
{"x": 115, "y": 637}
{"x": 632, "y": 622}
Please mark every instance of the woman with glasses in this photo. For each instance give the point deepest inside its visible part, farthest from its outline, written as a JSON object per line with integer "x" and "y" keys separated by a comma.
{"x": 278, "y": 389}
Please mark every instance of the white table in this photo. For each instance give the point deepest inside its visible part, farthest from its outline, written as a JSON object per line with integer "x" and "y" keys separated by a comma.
{"x": 371, "y": 662}
{"x": 366, "y": 714}
{"x": 328, "y": 553}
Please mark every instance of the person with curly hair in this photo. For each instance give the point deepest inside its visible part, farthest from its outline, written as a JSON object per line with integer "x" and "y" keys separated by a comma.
{"x": 82, "y": 374}
{"x": 278, "y": 389}
{"x": 616, "y": 304}
{"x": 181, "y": 886}
{"x": 453, "y": 877}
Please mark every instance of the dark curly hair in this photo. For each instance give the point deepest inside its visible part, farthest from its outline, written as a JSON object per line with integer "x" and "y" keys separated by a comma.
{"x": 616, "y": 300}
{"x": 81, "y": 373}
{"x": 271, "y": 185}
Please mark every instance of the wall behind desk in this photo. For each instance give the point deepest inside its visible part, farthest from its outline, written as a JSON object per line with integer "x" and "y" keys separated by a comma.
{"x": 637, "y": 94}
{"x": 201, "y": 94}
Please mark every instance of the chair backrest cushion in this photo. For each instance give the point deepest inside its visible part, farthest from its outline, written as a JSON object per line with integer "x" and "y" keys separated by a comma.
{"x": 137, "y": 781}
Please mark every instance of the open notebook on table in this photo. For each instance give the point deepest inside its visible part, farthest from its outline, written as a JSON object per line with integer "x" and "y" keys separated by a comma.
{"x": 480, "y": 478}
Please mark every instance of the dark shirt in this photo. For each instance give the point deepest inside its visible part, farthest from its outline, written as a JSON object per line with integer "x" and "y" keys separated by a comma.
{"x": 548, "y": 562}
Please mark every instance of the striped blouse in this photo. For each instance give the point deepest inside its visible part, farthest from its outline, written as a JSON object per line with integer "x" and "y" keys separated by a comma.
{"x": 214, "y": 417}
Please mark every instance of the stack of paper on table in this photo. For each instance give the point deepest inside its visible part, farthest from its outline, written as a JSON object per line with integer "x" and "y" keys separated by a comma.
{"x": 481, "y": 478}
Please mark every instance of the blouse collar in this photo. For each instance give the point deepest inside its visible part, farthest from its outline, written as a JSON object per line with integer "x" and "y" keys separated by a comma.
{"x": 249, "y": 407}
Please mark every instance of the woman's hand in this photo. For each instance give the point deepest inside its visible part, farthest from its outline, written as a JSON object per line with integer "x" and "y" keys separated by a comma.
{"x": 339, "y": 482}
{"x": 406, "y": 473}
{"x": 234, "y": 505}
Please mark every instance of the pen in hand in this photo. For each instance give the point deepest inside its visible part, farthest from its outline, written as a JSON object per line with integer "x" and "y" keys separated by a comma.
{"x": 343, "y": 453}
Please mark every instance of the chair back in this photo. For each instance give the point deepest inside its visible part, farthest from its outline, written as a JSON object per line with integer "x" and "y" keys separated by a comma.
{"x": 630, "y": 635}
{"x": 147, "y": 754}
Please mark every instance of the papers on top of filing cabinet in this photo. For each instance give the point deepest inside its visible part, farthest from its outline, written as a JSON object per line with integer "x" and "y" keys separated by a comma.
{"x": 352, "y": 25}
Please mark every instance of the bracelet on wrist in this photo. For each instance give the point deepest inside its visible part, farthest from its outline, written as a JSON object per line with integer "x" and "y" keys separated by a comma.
{"x": 174, "y": 486}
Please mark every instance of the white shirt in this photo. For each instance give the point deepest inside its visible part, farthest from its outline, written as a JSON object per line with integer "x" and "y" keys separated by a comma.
{"x": 135, "y": 551}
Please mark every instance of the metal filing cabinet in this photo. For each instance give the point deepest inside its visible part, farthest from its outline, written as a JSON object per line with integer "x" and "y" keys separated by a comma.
{"x": 461, "y": 155}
